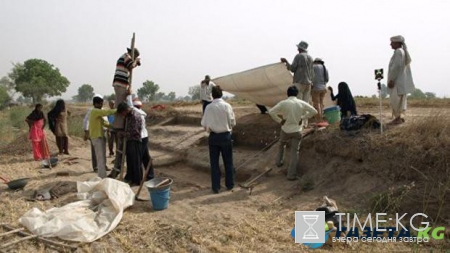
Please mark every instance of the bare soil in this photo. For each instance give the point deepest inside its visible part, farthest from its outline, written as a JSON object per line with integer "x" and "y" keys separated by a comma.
{"x": 349, "y": 168}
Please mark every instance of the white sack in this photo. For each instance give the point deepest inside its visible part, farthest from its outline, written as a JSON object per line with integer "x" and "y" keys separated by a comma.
{"x": 266, "y": 85}
{"x": 86, "y": 220}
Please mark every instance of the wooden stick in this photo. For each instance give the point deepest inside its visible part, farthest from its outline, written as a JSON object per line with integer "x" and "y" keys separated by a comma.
{"x": 130, "y": 78}
{"x": 45, "y": 241}
{"x": 124, "y": 152}
{"x": 150, "y": 163}
{"x": 162, "y": 182}
{"x": 11, "y": 232}
{"x": 6, "y": 245}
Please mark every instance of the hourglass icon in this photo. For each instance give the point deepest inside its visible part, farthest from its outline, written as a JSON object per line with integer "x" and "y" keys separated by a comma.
{"x": 310, "y": 233}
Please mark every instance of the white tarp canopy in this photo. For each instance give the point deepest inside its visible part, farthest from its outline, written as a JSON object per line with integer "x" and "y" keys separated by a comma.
{"x": 86, "y": 220}
{"x": 266, "y": 85}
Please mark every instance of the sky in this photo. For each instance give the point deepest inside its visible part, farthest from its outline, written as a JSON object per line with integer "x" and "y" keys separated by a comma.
{"x": 181, "y": 41}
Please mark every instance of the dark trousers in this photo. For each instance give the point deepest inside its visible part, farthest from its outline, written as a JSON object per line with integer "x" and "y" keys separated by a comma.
{"x": 111, "y": 139}
{"x": 221, "y": 144}
{"x": 146, "y": 158}
{"x": 134, "y": 161}
{"x": 204, "y": 104}
{"x": 63, "y": 144}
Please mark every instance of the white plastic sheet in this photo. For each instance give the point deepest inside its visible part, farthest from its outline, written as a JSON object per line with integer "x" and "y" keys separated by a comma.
{"x": 266, "y": 85}
{"x": 86, "y": 220}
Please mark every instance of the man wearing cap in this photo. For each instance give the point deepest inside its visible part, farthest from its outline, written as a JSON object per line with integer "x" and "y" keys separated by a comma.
{"x": 218, "y": 120}
{"x": 293, "y": 112}
{"x": 302, "y": 67}
{"x": 121, "y": 82}
{"x": 97, "y": 123}
{"x": 205, "y": 91}
{"x": 400, "y": 81}
{"x": 145, "y": 157}
{"x": 319, "y": 88}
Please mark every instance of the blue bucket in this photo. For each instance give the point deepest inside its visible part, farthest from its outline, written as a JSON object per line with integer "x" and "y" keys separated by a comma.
{"x": 159, "y": 195}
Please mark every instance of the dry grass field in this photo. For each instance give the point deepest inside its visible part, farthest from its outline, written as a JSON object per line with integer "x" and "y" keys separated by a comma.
{"x": 403, "y": 170}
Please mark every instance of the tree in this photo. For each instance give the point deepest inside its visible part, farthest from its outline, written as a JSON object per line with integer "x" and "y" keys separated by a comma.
{"x": 171, "y": 96}
{"x": 430, "y": 94}
{"x": 8, "y": 84}
{"x": 148, "y": 91}
{"x": 194, "y": 92}
{"x": 159, "y": 96}
{"x": 417, "y": 93}
{"x": 36, "y": 78}
{"x": 4, "y": 97}
{"x": 85, "y": 93}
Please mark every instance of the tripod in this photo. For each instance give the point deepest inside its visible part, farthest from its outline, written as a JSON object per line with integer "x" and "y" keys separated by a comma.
{"x": 381, "y": 105}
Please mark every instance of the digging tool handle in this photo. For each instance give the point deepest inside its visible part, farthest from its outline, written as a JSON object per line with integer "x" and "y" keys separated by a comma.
{"x": 4, "y": 180}
{"x": 144, "y": 178}
{"x": 165, "y": 181}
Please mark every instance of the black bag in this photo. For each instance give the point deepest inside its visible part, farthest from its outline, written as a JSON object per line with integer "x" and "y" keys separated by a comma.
{"x": 359, "y": 122}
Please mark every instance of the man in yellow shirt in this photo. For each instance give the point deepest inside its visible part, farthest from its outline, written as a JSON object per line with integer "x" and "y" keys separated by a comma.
{"x": 97, "y": 133}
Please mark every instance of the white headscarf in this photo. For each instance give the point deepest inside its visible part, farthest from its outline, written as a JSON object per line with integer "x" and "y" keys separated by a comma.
{"x": 400, "y": 39}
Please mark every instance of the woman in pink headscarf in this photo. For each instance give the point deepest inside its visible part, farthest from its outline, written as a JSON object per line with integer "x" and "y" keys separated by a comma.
{"x": 36, "y": 121}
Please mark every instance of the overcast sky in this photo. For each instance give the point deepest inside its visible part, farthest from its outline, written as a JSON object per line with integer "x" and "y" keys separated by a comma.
{"x": 181, "y": 41}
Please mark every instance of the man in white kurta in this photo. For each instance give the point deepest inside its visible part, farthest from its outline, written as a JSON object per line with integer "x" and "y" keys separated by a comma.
{"x": 400, "y": 82}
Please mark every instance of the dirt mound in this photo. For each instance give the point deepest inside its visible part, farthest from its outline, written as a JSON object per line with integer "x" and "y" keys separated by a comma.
{"x": 403, "y": 170}
{"x": 255, "y": 130}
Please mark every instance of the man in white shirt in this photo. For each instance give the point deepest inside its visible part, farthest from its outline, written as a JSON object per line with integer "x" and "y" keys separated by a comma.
{"x": 219, "y": 120}
{"x": 205, "y": 92}
{"x": 400, "y": 81}
{"x": 293, "y": 111}
{"x": 145, "y": 157}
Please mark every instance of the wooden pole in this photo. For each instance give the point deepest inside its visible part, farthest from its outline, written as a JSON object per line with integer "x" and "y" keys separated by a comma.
{"x": 124, "y": 139}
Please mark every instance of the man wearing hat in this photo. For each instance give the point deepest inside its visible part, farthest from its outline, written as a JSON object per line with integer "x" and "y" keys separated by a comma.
{"x": 205, "y": 91}
{"x": 400, "y": 81}
{"x": 302, "y": 67}
{"x": 121, "y": 82}
{"x": 319, "y": 86}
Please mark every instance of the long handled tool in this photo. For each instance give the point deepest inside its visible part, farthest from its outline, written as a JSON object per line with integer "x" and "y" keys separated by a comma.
{"x": 123, "y": 152}
{"x": 150, "y": 164}
{"x": 124, "y": 139}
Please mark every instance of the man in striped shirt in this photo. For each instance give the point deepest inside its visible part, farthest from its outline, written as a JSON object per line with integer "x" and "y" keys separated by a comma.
{"x": 121, "y": 81}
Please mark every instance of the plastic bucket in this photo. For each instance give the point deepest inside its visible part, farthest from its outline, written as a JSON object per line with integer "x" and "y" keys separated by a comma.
{"x": 159, "y": 195}
{"x": 332, "y": 114}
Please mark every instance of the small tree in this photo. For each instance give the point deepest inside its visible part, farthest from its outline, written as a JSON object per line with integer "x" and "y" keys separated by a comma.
{"x": 171, "y": 96}
{"x": 4, "y": 97}
{"x": 159, "y": 96}
{"x": 430, "y": 94}
{"x": 85, "y": 93}
{"x": 148, "y": 91}
{"x": 37, "y": 78}
{"x": 417, "y": 93}
{"x": 194, "y": 92}
{"x": 8, "y": 84}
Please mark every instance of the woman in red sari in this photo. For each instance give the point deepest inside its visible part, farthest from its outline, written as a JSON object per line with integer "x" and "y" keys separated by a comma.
{"x": 36, "y": 121}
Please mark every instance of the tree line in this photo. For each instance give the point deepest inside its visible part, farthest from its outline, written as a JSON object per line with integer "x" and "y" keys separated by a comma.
{"x": 35, "y": 80}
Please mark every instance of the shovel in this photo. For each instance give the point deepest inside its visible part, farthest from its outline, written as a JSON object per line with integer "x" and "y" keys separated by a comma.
{"x": 15, "y": 184}
{"x": 150, "y": 163}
